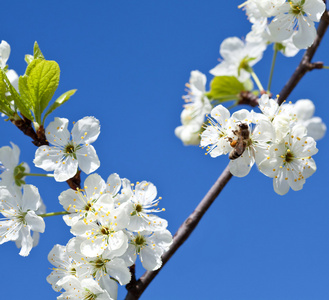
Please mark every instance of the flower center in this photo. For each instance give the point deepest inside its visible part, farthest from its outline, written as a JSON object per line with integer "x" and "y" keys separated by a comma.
{"x": 105, "y": 230}
{"x": 89, "y": 295}
{"x": 289, "y": 156}
{"x": 139, "y": 242}
{"x": 88, "y": 207}
{"x": 73, "y": 271}
{"x": 138, "y": 208}
{"x": 296, "y": 8}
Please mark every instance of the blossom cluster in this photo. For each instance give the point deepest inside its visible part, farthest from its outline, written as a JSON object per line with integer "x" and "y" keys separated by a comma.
{"x": 113, "y": 223}
{"x": 289, "y": 23}
{"x": 280, "y": 140}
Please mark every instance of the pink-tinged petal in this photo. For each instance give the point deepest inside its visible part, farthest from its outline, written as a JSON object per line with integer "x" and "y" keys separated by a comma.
{"x": 31, "y": 198}
{"x": 306, "y": 33}
{"x": 86, "y": 130}
{"x": 314, "y": 9}
{"x": 88, "y": 159}
{"x": 46, "y": 157}
{"x": 65, "y": 169}
{"x": 27, "y": 241}
{"x": 57, "y": 133}
{"x": 35, "y": 222}
{"x": 280, "y": 184}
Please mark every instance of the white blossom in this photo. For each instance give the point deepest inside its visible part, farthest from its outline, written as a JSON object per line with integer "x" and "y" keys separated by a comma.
{"x": 304, "y": 110}
{"x": 290, "y": 162}
{"x": 196, "y": 107}
{"x": 149, "y": 246}
{"x": 297, "y": 16}
{"x": 85, "y": 289}
{"x": 20, "y": 215}
{"x": 4, "y": 53}
{"x": 238, "y": 58}
{"x": 256, "y": 146}
{"x": 66, "y": 154}
{"x": 13, "y": 172}
{"x": 104, "y": 233}
{"x": 218, "y": 131}
{"x": 80, "y": 203}
{"x": 104, "y": 266}
{"x": 64, "y": 266}
{"x": 141, "y": 208}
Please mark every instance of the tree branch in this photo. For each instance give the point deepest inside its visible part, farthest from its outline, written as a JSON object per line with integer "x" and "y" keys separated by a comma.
{"x": 184, "y": 231}
{"x": 182, "y": 234}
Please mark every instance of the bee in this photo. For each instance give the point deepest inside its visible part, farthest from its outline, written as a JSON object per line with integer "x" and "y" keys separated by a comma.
{"x": 240, "y": 144}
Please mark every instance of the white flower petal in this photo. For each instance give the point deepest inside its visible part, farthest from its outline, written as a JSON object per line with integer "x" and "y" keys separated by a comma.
{"x": 57, "y": 133}
{"x": 65, "y": 169}
{"x": 88, "y": 159}
{"x": 86, "y": 130}
{"x": 306, "y": 33}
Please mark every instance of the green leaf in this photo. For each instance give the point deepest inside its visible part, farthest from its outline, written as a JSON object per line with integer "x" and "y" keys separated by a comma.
{"x": 23, "y": 106}
{"x": 225, "y": 88}
{"x": 42, "y": 82}
{"x": 59, "y": 101}
{"x": 37, "y": 52}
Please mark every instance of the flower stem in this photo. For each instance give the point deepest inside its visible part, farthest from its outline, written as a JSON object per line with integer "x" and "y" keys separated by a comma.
{"x": 257, "y": 81}
{"x": 272, "y": 68}
{"x": 36, "y": 174}
{"x": 54, "y": 214}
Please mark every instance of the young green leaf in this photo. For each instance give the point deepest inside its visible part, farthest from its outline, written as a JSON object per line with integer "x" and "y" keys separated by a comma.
{"x": 37, "y": 52}
{"x": 225, "y": 88}
{"x": 42, "y": 82}
{"x": 59, "y": 101}
{"x": 23, "y": 106}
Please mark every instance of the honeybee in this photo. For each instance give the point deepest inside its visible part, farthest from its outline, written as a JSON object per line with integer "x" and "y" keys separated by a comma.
{"x": 240, "y": 144}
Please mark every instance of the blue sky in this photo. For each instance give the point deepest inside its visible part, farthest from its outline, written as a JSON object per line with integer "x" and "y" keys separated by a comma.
{"x": 129, "y": 61}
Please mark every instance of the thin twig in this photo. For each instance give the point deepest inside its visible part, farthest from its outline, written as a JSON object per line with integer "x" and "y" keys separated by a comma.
{"x": 182, "y": 234}
{"x": 184, "y": 231}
